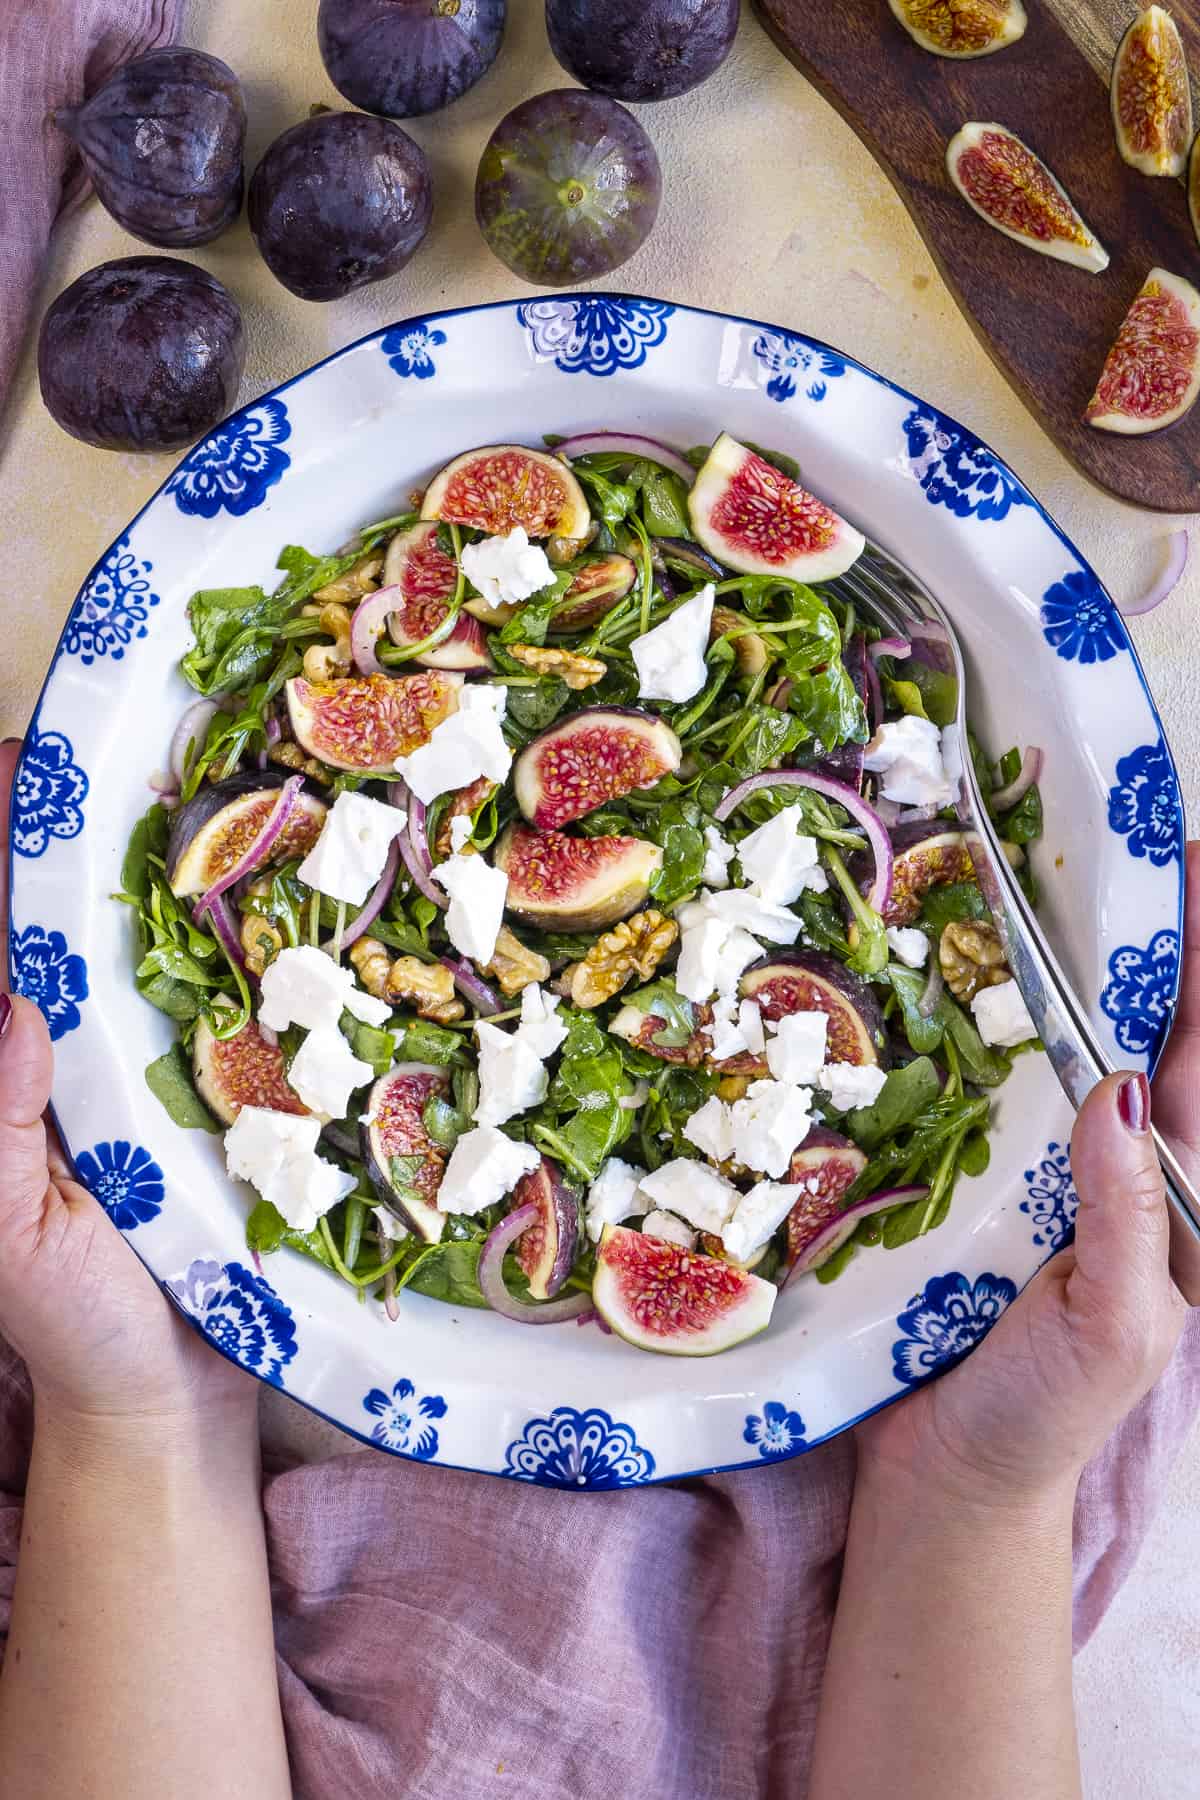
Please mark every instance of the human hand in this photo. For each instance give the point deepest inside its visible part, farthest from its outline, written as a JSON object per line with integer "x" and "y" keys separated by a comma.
{"x": 101, "y": 1342}
{"x": 1097, "y": 1325}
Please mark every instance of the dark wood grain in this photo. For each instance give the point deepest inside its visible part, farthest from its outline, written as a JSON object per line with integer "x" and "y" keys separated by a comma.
{"x": 1047, "y": 326}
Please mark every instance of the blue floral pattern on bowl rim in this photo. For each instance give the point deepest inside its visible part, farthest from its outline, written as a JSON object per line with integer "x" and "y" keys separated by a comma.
{"x": 567, "y": 1422}
{"x": 48, "y": 793}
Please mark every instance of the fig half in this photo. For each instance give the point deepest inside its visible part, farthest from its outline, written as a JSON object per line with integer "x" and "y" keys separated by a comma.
{"x": 366, "y": 722}
{"x": 961, "y": 28}
{"x": 213, "y": 831}
{"x": 562, "y": 883}
{"x": 797, "y": 981}
{"x": 1151, "y": 95}
{"x": 504, "y": 485}
{"x": 596, "y": 755}
{"x": 546, "y": 1249}
{"x": 1002, "y": 180}
{"x": 243, "y": 1070}
{"x": 1151, "y": 376}
{"x": 403, "y": 1162}
{"x": 926, "y": 856}
{"x": 662, "y": 1297}
{"x": 425, "y": 578}
{"x": 757, "y": 520}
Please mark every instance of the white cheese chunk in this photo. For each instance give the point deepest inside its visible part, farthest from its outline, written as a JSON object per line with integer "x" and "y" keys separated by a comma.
{"x": 389, "y": 1225}
{"x": 540, "y": 1027}
{"x": 693, "y": 1190}
{"x": 347, "y": 859}
{"x": 754, "y": 913}
{"x": 669, "y": 1228}
{"x": 750, "y": 1024}
{"x": 277, "y": 1152}
{"x": 1002, "y": 1016}
{"x": 512, "y": 1076}
{"x": 779, "y": 861}
{"x": 670, "y": 659}
{"x": 769, "y": 1122}
{"x": 506, "y": 570}
{"x": 725, "y": 1032}
{"x": 463, "y": 747}
{"x": 710, "y": 1128}
{"x": 757, "y": 1217}
{"x": 715, "y": 944}
{"x": 851, "y": 1084}
{"x": 718, "y": 854}
{"x": 460, "y": 832}
{"x": 907, "y": 753}
{"x": 484, "y": 1166}
{"x": 909, "y": 945}
{"x": 476, "y": 912}
{"x": 306, "y": 987}
{"x": 952, "y": 759}
{"x": 325, "y": 1072}
{"x": 613, "y": 1196}
{"x": 796, "y": 1053}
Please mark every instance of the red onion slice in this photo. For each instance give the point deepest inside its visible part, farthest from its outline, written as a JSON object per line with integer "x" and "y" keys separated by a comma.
{"x": 490, "y": 1275}
{"x": 864, "y": 815}
{"x": 706, "y": 566}
{"x": 414, "y": 845}
{"x": 625, "y": 443}
{"x": 821, "y": 1246}
{"x": 1156, "y": 593}
{"x": 1030, "y": 771}
{"x": 224, "y": 926}
{"x": 257, "y": 851}
{"x": 378, "y": 897}
{"x": 191, "y": 729}
{"x": 896, "y": 647}
{"x": 366, "y": 628}
{"x": 471, "y": 986}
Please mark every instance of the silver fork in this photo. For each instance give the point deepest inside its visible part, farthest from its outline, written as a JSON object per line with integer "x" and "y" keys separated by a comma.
{"x": 900, "y": 604}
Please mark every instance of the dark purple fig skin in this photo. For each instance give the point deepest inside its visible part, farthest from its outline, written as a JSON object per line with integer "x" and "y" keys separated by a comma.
{"x": 212, "y": 797}
{"x": 568, "y": 187}
{"x": 641, "y": 49}
{"x": 406, "y": 57}
{"x": 162, "y": 141}
{"x": 339, "y": 201}
{"x": 145, "y": 353}
{"x": 559, "y": 1210}
{"x": 853, "y": 994}
{"x": 928, "y": 854}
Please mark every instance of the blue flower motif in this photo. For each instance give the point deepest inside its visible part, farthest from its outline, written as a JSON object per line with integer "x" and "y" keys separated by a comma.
{"x": 48, "y": 794}
{"x": 409, "y": 348}
{"x": 1080, "y": 621}
{"x": 784, "y": 357}
{"x": 241, "y": 1313}
{"x": 126, "y": 1181}
{"x": 955, "y": 470}
{"x": 1139, "y": 993}
{"x": 113, "y": 607}
{"x": 47, "y": 973}
{"x": 1052, "y": 1202}
{"x": 235, "y": 464}
{"x": 400, "y": 1424}
{"x": 775, "y": 1430}
{"x": 1144, "y": 805}
{"x": 574, "y": 1449}
{"x": 594, "y": 336}
{"x": 946, "y": 1321}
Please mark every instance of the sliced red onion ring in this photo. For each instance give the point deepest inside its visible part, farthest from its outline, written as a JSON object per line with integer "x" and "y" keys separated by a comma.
{"x": 259, "y": 848}
{"x": 414, "y": 845}
{"x": 191, "y": 729}
{"x": 1029, "y": 772}
{"x": 831, "y": 1237}
{"x": 934, "y": 983}
{"x": 692, "y": 556}
{"x": 490, "y": 1275}
{"x": 626, "y": 443}
{"x": 471, "y": 986}
{"x": 391, "y": 1304}
{"x": 224, "y": 926}
{"x": 1156, "y": 593}
{"x": 366, "y": 627}
{"x": 378, "y": 897}
{"x": 866, "y": 816}
{"x": 897, "y": 647}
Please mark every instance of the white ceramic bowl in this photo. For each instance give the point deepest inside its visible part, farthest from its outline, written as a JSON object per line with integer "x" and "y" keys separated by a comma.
{"x": 345, "y": 443}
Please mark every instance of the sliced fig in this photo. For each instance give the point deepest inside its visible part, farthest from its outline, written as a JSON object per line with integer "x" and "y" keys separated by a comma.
{"x": 546, "y": 1251}
{"x": 244, "y": 1070}
{"x": 504, "y": 485}
{"x": 1151, "y": 375}
{"x": 644, "y": 1029}
{"x": 750, "y": 652}
{"x": 595, "y": 589}
{"x": 795, "y": 981}
{"x": 1151, "y": 95}
{"x": 961, "y": 28}
{"x": 712, "y": 1246}
{"x": 593, "y": 756}
{"x": 824, "y": 1168}
{"x": 215, "y": 828}
{"x": 426, "y": 578}
{"x": 1002, "y": 180}
{"x": 365, "y": 722}
{"x": 926, "y": 856}
{"x": 393, "y": 1127}
{"x": 820, "y": 1243}
{"x": 661, "y": 1297}
{"x": 562, "y": 883}
{"x": 759, "y": 521}
{"x": 1193, "y": 186}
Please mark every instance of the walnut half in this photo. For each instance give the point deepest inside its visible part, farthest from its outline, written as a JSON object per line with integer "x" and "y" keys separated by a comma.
{"x": 514, "y": 965}
{"x": 635, "y": 946}
{"x": 427, "y": 986}
{"x": 577, "y": 671}
{"x": 971, "y": 957}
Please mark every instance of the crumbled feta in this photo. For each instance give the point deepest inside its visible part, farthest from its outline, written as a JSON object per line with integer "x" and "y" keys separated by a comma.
{"x": 851, "y": 1084}
{"x": 347, "y": 859}
{"x": 693, "y": 1190}
{"x": 909, "y": 944}
{"x": 711, "y": 1129}
{"x": 460, "y": 832}
{"x": 612, "y": 1197}
{"x": 715, "y": 944}
{"x": 797, "y": 1050}
{"x": 463, "y": 747}
{"x": 669, "y": 1228}
{"x": 512, "y": 1076}
{"x": 757, "y": 1217}
{"x": 540, "y": 1027}
{"x": 277, "y": 1152}
{"x": 484, "y": 1166}
{"x": 670, "y": 659}
{"x": 700, "y": 948}
{"x": 1002, "y": 1016}
{"x": 389, "y": 1225}
{"x": 779, "y": 861}
{"x": 506, "y": 570}
{"x": 907, "y": 753}
{"x": 476, "y": 912}
{"x": 769, "y": 1122}
{"x": 306, "y": 987}
{"x": 718, "y": 854}
{"x": 725, "y": 1031}
{"x": 750, "y": 1024}
{"x": 325, "y": 1072}
{"x": 952, "y": 759}
{"x": 744, "y": 907}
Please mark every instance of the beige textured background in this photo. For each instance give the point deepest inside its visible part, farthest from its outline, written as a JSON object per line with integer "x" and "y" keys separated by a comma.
{"x": 771, "y": 208}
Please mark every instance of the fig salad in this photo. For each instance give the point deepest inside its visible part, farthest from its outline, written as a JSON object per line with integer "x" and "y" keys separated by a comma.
{"x": 561, "y": 900}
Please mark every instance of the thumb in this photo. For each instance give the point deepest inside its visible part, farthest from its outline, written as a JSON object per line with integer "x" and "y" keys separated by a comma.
{"x": 26, "y": 1064}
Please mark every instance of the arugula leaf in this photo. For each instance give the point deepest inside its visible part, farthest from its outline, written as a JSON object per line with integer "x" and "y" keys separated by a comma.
{"x": 957, "y": 900}
{"x": 975, "y": 1155}
{"x": 904, "y": 1096}
{"x": 663, "y": 1000}
{"x": 169, "y": 1079}
{"x": 267, "y": 1230}
{"x": 907, "y": 696}
{"x": 870, "y": 955}
{"x": 613, "y": 501}
{"x": 369, "y": 1043}
{"x": 418, "y": 1040}
{"x": 664, "y": 500}
{"x": 763, "y": 739}
{"x": 531, "y": 620}
{"x": 938, "y": 691}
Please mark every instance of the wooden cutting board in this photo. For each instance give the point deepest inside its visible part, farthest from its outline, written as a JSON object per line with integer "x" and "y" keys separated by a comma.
{"x": 1046, "y": 325}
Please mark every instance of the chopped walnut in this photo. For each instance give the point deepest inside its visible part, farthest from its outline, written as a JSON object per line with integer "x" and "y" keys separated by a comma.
{"x": 290, "y": 756}
{"x": 514, "y": 965}
{"x": 373, "y": 964}
{"x": 325, "y": 662}
{"x": 463, "y": 802}
{"x": 359, "y": 579}
{"x": 427, "y": 986}
{"x": 635, "y": 946}
{"x": 577, "y": 671}
{"x": 972, "y": 957}
{"x": 260, "y": 941}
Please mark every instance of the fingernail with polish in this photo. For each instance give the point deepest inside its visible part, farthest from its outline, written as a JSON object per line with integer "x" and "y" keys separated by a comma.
{"x": 1133, "y": 1103}
{"x": 6, "y": 1013}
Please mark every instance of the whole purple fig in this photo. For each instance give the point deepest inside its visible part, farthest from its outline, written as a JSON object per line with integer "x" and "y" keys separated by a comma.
{"x": 339, "y": 201}
{"x": 162, "y": 141}
{"x": 404, "y": 57}
{"x": 141, "y": 354}
{"x": 641, "y": 49}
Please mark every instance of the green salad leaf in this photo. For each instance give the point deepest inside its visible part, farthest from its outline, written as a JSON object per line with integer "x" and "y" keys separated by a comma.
{"x": 169, "y": 1079}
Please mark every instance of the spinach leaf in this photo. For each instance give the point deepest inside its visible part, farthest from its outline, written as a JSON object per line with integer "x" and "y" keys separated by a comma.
{"x": 938, "y": 691}
{"x": 418, "y": 1040}
{"x": 975, "y": 1155}
{"x": 267, "y": 1230}
{"x": 908, "y": 985}
{"x": 533, "y": 708}
{"x": 904, "y": 1096}
{"x": 169, "y": 1079}
{"x": 677, "y": 827}
{"x": 531, "y": 620}
{"x": 369, "y": 1043}
{"x": 907, "y": 696}
{"x": 957, "y": 900}
{"x": 663, "y": 1000}
{"x": 984, "y": 1064}
{"x": 763, "y": 738}
{"x": 1023, "y": 824}
{"x": 145, "y": 854}
{"x": 447, "y": 1271}
{"x": 828, "y": 707}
